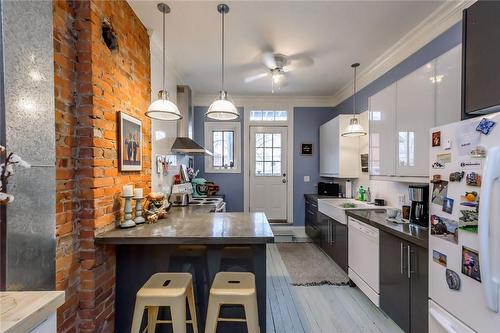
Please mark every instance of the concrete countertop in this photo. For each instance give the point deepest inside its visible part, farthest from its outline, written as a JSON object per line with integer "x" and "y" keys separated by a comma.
{"x": 195, "y": 225}
{"x": 21, "y": 310}
{"x": 378, "y": 219}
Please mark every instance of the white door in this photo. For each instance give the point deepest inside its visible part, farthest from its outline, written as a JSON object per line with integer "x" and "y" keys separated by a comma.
{"x": 268, "y": 171}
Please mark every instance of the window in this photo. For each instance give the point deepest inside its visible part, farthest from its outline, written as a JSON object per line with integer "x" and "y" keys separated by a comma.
{"x": 268, "y": 115}
{"x": 268, "y": 154}
{"x": 223, "y": 140}
{"x": 223, "y": 149}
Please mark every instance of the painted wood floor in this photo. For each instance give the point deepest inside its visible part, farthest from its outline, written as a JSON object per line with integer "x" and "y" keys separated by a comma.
{"x": 329, "y": 309}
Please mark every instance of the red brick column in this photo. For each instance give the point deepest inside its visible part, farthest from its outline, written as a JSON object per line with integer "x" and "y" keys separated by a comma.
{"x": 93, "y": 83}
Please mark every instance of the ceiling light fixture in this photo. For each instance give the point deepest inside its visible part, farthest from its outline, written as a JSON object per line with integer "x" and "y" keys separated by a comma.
{"x": 354, "y": 128}
{"x": 278, "y": 77}
{"x": 163, "y": 108}
{"x": 222, "y": 108}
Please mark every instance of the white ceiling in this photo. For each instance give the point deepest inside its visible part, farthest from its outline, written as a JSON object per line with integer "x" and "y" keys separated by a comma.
{"x": 333, "y": 34}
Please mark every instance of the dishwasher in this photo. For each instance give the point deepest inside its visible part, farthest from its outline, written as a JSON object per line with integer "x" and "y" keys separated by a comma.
{"x": 363, "y": 258}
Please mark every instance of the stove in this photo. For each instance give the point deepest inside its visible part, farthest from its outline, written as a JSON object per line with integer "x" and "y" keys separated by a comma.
{"x": 218, "y": 203}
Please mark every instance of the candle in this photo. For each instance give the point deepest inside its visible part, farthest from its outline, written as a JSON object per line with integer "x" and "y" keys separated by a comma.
{"x": 128, "y": 190}
{"x": 138, "y": 192}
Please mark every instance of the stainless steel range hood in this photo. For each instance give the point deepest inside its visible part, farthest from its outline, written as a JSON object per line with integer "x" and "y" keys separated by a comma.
{"x": 184, "y": 144}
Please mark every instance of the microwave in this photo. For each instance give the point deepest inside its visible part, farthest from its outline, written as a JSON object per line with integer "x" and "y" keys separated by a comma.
{"x": 330, "y": 189}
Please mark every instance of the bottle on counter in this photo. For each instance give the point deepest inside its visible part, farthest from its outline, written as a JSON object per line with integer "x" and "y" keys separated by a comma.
{"x": 368, "y": 195}
{"x": 361, "y": 191}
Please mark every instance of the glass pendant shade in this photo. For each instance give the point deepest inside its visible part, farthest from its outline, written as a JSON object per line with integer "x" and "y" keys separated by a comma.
{"x": 222, "y": 109}
{"x": 354, "y": 128}
{"x": 163, "y": 108}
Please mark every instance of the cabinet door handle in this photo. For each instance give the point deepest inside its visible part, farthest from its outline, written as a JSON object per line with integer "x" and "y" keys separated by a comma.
{"x": 409, "y": 263}
{"x": 401, "y": 258}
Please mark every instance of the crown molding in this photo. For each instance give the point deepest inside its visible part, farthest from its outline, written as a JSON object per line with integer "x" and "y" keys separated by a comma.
{"x": 443, "y": 18}
{"x": 262, "y": 100}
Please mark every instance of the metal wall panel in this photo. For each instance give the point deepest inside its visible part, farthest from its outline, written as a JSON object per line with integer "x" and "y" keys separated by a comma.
{"x": 30, "y": 132}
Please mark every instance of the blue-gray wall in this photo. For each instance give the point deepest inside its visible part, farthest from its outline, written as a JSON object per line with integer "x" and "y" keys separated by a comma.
{"x": 440, "y": 45}
{"x": 231, "y": 184}
{"x": 306, "y": 123}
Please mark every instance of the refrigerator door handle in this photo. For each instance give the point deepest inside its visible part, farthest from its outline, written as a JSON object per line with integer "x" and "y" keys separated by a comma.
{"x": 491, "y": 173}
{"x": 445, "y": 323}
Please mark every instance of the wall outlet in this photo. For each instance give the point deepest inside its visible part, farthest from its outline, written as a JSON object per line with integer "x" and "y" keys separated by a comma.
{"x": 307, "y": 179}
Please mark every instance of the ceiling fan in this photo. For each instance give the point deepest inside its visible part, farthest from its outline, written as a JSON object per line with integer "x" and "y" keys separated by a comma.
{"x": 277, "y": 66}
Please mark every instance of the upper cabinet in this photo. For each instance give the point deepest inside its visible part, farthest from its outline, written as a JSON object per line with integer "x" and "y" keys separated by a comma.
{"x": 415, "y": 116}
{"x": 338, "y": 155}
{"x": 402, "y": 114}
{"x": 382, "y": 132}
{"x": 481, "y": 64}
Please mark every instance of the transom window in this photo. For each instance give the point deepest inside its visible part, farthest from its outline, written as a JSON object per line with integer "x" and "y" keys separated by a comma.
{"x": 268, "y": 115}
{"x": 268, "y": 154}
{"x": 223, "y": 149}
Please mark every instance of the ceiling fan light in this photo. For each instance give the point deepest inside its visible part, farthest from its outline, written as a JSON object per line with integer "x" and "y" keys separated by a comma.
{"x": 222, "y": 109}
{"x": 163, "y": 108}
{"x": 354, "y": 128}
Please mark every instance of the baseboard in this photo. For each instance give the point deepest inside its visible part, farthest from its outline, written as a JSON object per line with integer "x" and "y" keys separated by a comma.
{"x": 289, "y": 233}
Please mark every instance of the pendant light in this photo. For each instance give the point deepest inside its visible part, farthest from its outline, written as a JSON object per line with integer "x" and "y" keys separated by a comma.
{"x": 354, "y": 128}
{"x": 163, "y": 108}
{"x": 222, "y": 108}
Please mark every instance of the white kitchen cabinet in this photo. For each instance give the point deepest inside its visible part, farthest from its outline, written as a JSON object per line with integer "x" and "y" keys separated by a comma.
{"x": 383, "y": 132}
{"x": 415, "y": 116}
{"x": 338, "y": 155}
{"x": 448, "y": 86}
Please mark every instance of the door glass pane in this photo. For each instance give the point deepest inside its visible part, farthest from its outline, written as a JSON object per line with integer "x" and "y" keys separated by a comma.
{"x": 259, "y": 168}
{"x": 268, "y": 168}
{"x": 276, "y": 169}
{"x": 268, "y": 140}
{"x": 277, "y": 140}
{"x": 259, "y": 140}
{"x": 259, "y": 154}
{"x": 276, "y": 154}
{"x": 268, "y": 154}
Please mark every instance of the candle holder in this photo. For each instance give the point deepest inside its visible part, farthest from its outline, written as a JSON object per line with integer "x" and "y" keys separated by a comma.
{"x": 139, "y": 219}
{"x": 128, "y": 222}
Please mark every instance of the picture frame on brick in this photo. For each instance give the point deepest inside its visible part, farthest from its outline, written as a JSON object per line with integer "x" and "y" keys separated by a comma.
{"x": 130, "y": 142}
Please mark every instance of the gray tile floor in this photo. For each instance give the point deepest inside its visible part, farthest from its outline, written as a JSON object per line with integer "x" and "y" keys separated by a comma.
{"x": 329, "y": 309}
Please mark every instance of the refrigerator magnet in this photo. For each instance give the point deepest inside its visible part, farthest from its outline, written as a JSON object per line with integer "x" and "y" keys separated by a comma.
{"x": 468, "y": 221}
{"x": 444, "y": 158}
{"x": 436, "y": 139}
{"x": 473, "y": 179}
{"x": 452, "y": 279}
{"x": 456, "y": 176}
{"x": 467, "y": 137}
{"x": 447, "y": 145}
{"x": 470, "y": 199}
{"x": 485, "y": 126}
{"x": 448, "y": 205}
{"x": 439, "y": 258}
{"x": 470, "y": 263}
{"x": 444, "y": 228}
{"x": 439, "y": 192}
{"x": 478, "y": 152}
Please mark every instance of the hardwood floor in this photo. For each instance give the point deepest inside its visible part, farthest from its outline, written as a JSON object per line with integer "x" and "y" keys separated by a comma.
{"x": 326, "y": 308}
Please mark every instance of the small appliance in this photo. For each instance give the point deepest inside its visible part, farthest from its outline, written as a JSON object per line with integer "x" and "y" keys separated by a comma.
{"x": 419, "y": 207}
{"x": 200, "y": 188}
{"x": 328, "y": 188}
{"x": 179, "y": 199}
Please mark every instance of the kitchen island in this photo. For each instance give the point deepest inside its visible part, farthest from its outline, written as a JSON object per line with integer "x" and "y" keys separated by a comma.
{"x": 191, "y": 240}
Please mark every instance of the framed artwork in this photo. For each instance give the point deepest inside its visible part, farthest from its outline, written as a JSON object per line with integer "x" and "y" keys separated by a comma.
{"x": 306, "y": 149}
{"x": 130, "y": 140}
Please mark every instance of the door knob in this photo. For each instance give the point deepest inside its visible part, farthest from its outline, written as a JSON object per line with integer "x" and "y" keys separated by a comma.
{"x": 283, "y": 180}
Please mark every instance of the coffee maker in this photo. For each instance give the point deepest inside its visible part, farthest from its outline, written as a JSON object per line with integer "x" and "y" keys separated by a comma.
{"x": 419, "y": 209}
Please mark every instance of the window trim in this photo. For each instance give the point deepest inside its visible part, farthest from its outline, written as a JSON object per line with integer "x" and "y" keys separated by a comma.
{"x": 210, "y": 127}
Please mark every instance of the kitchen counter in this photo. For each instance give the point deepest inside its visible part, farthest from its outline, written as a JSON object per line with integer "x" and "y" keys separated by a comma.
{"x": 22, "y": 310}
{"x": 195, "y": 225}
{"x": 315, "y": 197}
{"x": 377, "y": 218}
{"x": 190, "y": 239}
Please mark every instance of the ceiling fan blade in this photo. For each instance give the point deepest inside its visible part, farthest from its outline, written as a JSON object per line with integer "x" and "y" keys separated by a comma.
{"x": 268, "y": 60}
{"x": 255, "y": 77}
{"x": 288, "y": 68}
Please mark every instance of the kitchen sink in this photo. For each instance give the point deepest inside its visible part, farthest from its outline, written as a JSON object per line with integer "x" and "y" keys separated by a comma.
{"x": 336, "y": 208}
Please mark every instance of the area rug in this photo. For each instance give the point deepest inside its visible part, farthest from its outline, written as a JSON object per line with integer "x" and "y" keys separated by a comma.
{"x": 308, "y": 266}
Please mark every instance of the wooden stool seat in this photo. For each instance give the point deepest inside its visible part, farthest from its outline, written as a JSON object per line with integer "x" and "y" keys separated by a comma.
{"x": 233, "y": 288}
{"x": 165, "y": 289}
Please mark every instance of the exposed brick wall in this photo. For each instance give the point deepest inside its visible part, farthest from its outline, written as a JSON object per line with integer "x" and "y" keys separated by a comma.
{"x": 92, "y": 84}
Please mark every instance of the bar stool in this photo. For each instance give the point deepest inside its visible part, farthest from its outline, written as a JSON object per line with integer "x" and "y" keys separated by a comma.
{"x": 233, "y": 288}
{"x": 166, "y": 289}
